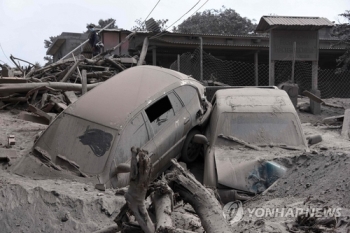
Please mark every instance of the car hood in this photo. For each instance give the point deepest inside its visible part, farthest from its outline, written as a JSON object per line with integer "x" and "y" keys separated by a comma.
{"x": 246, "y": 170}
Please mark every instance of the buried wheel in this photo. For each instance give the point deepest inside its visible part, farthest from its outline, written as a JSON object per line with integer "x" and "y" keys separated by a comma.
{"x": 191, "y": 150}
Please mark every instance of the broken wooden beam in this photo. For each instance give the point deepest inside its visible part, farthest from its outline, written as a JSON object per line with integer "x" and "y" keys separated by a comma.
{"x": 346, "y": 125}
{"x": 115, "y": 64}
{"x": 48, "y": 67}
{"x": 319, "y": 100}
{"x": 12, "y": 80}
{"x": 83, "y": 82}
{"x": 143, "y": 51}
{"x": 333, "y": 119}
{"x": 70, "y": 71}
{"x": 26, "y": 116}
{"x": 162, "y": 199}
{"x": 200, "y": 198}
{"x": 25, "y": 87}
{"x": 71, "y": 96}
{"x": 140, "y": 176}
{"x": 39, "y": 112}
{"x": 98, "y": 74}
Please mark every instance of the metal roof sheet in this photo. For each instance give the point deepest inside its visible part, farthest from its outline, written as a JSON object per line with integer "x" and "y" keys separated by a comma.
{"x": 292, "y": 22}
{"x": 202, "y": 34}
{"x": 215, "y": 44}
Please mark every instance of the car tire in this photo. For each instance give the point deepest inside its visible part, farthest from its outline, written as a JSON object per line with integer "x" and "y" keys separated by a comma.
{"x": 190, "y": 150}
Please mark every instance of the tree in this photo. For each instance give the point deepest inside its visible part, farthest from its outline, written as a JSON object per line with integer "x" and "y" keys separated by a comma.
{"x": 141, "y": 26}
{"x": 48, "y": 43}
{"x": 342, "y": 31}
{"x": 222, "y": 21}
{"x": 102, "y": 23}
{"x": 48, "y": 60}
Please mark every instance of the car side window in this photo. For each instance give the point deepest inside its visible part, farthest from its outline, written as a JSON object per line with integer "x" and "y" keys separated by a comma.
{"x": 159, "y": 113}
{"x": 186, "y": 93}
{"x": 135, "y": 134}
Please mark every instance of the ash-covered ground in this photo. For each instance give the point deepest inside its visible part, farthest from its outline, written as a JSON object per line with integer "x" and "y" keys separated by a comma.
{"x": 36, "y": 198}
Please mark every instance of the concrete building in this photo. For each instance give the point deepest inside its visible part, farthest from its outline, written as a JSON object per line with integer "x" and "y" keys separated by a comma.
{"x": 65, "y": 43}
{"x": 163, "y": 48}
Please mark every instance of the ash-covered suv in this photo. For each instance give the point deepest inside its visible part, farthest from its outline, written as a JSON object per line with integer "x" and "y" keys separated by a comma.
{"x": 153, "y": 108}
{"x": 249, "y": 127}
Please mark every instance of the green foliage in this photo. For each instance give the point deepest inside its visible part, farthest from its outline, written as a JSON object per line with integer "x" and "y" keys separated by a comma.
{"x": 37, "y": 65}
{"x": 48, "y": 60}
{"x": 141, "y": 26}
{"x": 222, "y": 21}
{"x": 342, "y": 31}
{"x": 102, "y": 23}
{"x": 47, "y": 43}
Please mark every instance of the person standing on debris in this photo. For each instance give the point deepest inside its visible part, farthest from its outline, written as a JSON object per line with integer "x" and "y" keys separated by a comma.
{"x": 93, "y": 39}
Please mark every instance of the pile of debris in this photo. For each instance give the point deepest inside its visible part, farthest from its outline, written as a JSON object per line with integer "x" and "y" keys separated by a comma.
{"x": 158, "y": 206}
{"x": 50, "y": 89}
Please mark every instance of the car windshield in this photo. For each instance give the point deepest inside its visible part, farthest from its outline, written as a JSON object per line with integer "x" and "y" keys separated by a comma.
{"x": 261, "y": 129}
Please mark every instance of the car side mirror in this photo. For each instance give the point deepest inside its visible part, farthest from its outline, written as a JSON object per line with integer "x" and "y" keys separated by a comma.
{"x": 122, "y": 168}
{"x": 200, "y": 139}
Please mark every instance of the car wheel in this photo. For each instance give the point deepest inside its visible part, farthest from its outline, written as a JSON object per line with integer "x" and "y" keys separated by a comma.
{"x": 191, "y": 150}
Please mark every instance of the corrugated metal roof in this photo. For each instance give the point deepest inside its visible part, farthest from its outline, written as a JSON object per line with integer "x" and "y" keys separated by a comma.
{"x": 238, "y": 45}
{"x": 292, "y": 22}
{"x": 215, "y": 44}
{"x": 205, "y": 34}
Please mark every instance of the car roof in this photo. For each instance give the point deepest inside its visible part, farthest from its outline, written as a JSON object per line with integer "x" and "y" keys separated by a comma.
{"x": 253, "y": 100}
{"x": 112, "y": 102}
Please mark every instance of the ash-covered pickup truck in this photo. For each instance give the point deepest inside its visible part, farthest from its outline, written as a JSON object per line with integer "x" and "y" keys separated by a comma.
{"x": 248, "y": 127}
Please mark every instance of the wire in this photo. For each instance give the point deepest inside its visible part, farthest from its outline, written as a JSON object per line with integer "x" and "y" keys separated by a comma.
{"x": 199, "y": 8}
{"x": 163, "y": 33}
{"x": 160, "y": 34}
{"x": 4, "y": 54}
{"x": 151, "y": 12}
{"x": 144, "y": 22}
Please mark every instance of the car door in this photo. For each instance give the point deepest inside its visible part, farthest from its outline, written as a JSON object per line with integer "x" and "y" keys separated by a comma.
{"x": 136, "y": 134}
{"x": 168, "y": 118}
{"x": 190, "y": 98}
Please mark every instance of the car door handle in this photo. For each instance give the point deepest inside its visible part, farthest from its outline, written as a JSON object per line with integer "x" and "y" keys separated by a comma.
{"x": 186, "y": 120}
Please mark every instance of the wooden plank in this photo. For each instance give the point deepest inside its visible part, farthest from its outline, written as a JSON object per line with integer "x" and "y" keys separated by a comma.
{"x": 12, "y": 80}
{"x": 70, "y": 72}
{"x": 71, "y": 97}
{"x": 333, "y": 119}
{"x": 32, "y": 118}
{"x": 143, "y": 52}
{"x": 313, "y": 97}
{"x": 39, "y": 112}
{"x": 346, "y": 124}
{"x": 8, "y": 154}
{"x": 319, "y": 100}
{"x": 83, "y": 82}
{"x": 60, "y": 106}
